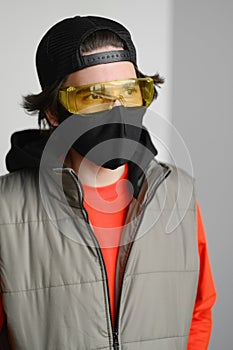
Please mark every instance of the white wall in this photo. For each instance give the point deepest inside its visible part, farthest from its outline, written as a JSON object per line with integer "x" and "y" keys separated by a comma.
{"x": 202, "y": 106}
{"x": 24, "y": 22}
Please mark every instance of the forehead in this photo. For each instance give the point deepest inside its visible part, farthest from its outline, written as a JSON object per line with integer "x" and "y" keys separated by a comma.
{"x": 102, "y": 72}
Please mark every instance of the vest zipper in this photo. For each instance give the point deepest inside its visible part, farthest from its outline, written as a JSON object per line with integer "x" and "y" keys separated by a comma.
{"x": 106, "y": 289}
{"x": 114, "y": 333}
{"x": 119, "y": 300}
{"x": 156, "y": 185}
{"x": 115, "y": 340}
{"x": 115, "y": 330}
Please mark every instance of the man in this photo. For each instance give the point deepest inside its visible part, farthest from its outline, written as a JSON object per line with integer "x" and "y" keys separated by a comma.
{"x": 86, "y": 258}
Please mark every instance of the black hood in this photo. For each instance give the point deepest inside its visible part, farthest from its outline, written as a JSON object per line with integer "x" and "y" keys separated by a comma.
{"x": 27, "y": 147}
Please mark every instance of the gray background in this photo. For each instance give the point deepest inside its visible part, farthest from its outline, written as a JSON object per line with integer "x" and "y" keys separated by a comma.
{"x": 190, "y": 43}
{"x": 202, "y": 111}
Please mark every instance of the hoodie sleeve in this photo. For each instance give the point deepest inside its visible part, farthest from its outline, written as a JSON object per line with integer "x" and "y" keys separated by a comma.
{"x": 201, "y": 324}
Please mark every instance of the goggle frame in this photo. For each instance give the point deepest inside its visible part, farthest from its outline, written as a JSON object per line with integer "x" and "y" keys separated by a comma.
{"x": 70, "y": 96}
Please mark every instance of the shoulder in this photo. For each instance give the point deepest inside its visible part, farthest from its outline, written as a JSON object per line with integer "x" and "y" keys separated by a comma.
{"x": 177, "y": 185}
{"x": 18, "y": 191}
{"x": 18, "y": 181}
{"x": 171, "y": 172}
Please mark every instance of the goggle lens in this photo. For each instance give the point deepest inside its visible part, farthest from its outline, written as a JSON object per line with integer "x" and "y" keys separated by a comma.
{"x": 138, "y": 92}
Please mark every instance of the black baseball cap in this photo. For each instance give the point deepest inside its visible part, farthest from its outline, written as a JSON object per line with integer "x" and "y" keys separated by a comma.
{"x": 58, "y": 53}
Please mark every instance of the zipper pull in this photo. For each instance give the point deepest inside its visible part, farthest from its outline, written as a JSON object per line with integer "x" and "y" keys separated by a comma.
{"x": 115, "y": 341}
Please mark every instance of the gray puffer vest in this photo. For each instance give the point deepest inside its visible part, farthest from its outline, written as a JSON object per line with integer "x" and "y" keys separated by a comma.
{"x": 53, "y": 278}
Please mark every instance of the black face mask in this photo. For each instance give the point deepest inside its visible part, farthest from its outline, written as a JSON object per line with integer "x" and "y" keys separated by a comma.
{"x": 111, "y": 138}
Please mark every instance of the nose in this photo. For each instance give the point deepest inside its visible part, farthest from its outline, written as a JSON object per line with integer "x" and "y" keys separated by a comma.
{"x": 119, "y": 101}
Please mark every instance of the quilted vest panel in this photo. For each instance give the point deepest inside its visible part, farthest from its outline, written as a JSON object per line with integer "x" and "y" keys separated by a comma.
{"x": 54, "y": 286}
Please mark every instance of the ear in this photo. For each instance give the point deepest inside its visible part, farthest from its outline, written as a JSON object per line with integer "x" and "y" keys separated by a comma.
{"x": 51, "y": 118}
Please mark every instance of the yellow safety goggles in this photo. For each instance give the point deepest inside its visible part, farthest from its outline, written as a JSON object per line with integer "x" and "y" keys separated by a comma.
{"x": 135, "y": 92}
